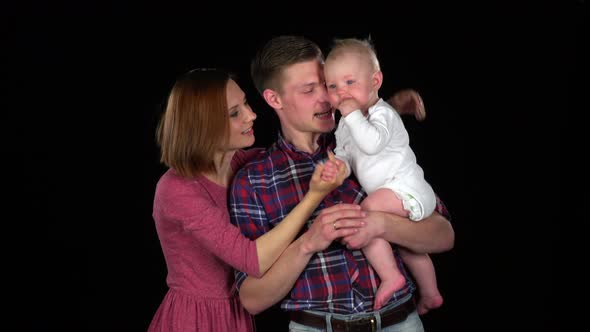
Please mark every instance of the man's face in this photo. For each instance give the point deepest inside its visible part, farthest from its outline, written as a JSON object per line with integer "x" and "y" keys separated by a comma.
{"x": 305, "y": 104}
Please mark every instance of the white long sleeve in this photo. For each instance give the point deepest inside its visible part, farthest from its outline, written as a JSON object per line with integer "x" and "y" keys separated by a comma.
{"x": 370, "y": 134}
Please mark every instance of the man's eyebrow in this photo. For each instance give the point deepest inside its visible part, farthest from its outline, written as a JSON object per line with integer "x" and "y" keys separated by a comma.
{"x": 309, "y": 84}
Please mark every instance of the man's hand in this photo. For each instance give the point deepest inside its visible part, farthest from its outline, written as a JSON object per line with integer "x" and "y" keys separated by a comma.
{"x": 408, "y": 101}
{"x": 334, "y": 222}
{"x": 374, "y": 228}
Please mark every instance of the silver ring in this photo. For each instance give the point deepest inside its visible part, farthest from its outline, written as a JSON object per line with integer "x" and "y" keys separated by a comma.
{"x": 334, "y": 225}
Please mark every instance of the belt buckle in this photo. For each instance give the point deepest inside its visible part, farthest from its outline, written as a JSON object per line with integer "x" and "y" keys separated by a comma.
{"x": 361, "y": 325}
{"x": 373, "y": 324}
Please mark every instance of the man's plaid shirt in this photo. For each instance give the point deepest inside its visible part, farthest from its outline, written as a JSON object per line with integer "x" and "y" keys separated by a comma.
{"x": 337, "y": 279}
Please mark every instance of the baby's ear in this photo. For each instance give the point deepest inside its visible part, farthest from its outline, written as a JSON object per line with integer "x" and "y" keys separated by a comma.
{"x": 377, "y": 80}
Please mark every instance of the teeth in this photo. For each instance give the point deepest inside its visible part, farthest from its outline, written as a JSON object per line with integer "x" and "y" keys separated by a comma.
{"x": 322, "y": 113}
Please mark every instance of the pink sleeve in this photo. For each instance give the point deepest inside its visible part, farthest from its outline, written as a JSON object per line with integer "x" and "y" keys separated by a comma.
{"x": 210, "y": 226}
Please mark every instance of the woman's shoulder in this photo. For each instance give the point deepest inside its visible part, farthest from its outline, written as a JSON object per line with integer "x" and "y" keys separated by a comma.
{"x": 170, "y": 179}
{"x": 177, "y": 195}
{"x": 172, "y": 185}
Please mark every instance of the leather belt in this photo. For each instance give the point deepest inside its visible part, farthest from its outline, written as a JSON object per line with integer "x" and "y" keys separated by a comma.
{"x": 367, "y": 323}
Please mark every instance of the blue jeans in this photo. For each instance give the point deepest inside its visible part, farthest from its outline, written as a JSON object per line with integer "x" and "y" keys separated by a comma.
{"x": 411, "y": 324}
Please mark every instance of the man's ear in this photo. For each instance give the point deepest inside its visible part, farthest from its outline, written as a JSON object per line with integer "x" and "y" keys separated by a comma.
{"x": 272, "y": 98}
{"x": 377, "y": 80}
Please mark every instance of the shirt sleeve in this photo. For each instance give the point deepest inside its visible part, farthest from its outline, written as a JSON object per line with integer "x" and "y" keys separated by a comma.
{"x": 371, "y": 134}
{"x": 442, "y": 208}
{"x": 246, "y": 212}
{"x": 342, "y": 140}
{"x": 209, "y": 224}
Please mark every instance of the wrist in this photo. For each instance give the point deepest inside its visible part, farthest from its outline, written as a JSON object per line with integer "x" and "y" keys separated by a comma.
{"x": 305, "y": 247}
{"x": 380, "y": 222}
{"x": 315, "y": 194}
{"x": 345, "y": 113}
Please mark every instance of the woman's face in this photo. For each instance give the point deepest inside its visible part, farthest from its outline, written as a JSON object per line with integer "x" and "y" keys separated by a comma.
{"x": 241, "y": 118}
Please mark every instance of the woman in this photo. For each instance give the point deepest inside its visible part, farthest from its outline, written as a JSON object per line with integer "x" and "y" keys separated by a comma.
{"x": 206, "y": 124}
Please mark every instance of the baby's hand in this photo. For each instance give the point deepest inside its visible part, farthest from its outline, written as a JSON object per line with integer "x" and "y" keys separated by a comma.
{"x": 348, "y": 105}
{"x": 330, "y": 171}
{"x": 328, "y": 176}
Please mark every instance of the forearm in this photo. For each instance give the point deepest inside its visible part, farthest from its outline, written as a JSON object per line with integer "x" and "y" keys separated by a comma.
{"x": 258, "y": 294}
{"x": 370, "y": 136}
{"x": 270, "y": 246}
{"x": 342, "y": 155}
{"x": 431, "y": 235}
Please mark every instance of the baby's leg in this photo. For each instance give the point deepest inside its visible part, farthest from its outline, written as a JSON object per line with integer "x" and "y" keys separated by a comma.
{"x": 380, "y": 255}
{"x": 384, "y": 200}
{"x": 379, "y": 252}
{"x": 423, "y": 271}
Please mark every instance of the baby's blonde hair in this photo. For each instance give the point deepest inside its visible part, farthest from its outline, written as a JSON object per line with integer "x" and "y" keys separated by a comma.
{"x": 362, "y": 47}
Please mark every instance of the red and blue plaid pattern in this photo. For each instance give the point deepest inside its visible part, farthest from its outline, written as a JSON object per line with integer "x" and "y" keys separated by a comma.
{"x": 335, "y": 280}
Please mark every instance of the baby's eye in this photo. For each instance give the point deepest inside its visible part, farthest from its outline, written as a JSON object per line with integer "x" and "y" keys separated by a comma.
{"x": 331, "y": 86}
{"x": 349, "y": 82}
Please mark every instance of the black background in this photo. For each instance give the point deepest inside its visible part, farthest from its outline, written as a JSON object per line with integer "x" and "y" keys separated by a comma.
{"x": 83, "y": 85}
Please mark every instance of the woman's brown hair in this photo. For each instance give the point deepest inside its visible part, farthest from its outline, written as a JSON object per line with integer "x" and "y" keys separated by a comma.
{"x": 195, "y": 123}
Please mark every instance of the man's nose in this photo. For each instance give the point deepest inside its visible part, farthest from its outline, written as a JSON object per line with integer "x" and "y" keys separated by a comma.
{"x": 324, "y": 94}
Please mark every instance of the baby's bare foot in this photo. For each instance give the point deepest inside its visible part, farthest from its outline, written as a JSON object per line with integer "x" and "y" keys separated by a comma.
{"x": 429, "y": 302}
{"x": 386, "y": 290}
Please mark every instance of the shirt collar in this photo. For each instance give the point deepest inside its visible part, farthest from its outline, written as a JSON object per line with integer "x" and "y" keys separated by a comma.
{"x": 325, "y": 141}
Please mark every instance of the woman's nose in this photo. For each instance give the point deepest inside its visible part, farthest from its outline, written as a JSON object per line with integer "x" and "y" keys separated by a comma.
{"x": 251, "y": 115}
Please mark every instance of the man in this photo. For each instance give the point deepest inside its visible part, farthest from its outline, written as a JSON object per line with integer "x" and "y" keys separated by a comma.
{"x": 323, "y": 284}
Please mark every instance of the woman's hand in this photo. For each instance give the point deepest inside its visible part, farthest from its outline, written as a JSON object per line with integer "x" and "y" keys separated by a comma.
{"x": 329, "y": 175}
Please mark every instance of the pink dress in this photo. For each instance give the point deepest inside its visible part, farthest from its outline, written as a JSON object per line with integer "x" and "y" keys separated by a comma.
{"x": 201, "y": 247}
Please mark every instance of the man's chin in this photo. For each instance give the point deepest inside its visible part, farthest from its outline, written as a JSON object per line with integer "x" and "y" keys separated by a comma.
{"x": 327, "y": 128}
